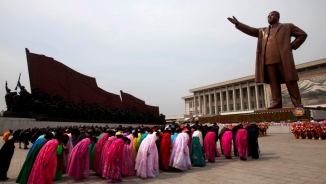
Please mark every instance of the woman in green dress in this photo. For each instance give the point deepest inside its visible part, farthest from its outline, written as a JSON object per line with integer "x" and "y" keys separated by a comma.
{"x": 196, "y": 153}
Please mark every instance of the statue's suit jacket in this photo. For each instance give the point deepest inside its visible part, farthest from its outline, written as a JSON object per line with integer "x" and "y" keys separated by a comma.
{"x": 283, "y": 36}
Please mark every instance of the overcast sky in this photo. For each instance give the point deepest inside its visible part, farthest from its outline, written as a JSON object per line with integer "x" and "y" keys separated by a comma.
{"x": 154, "y": 50}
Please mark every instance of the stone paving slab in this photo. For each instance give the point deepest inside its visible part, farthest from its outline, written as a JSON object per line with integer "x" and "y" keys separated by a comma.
{"x": 282, "y": 160}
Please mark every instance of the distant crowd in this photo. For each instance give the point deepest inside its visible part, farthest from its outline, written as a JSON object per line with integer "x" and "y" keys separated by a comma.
{"x": 116, "y": 152}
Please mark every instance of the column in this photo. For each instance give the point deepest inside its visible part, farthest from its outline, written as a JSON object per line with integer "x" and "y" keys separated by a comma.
{"x": 205, "y": 104}
{"x": 248, "y": 95}
{"x": 227, "y": 99}
{"x": 215, "y": 101}
{"x": 209, "y": 102}
{"x": 256, "y": 94}
{"x": 199, "y": 100}
{"x": 241, "y": 102}
{"x": 265, "y": 97}
{"x": 234, "y": 97}
{"x": 194, "y": 107}
{"x": 221, "y": 103}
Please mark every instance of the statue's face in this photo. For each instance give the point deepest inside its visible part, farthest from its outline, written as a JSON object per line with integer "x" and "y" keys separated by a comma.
{"x": 272, "y": 18}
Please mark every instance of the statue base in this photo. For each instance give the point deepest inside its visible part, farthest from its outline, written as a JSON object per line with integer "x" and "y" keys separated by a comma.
{"x": 275, "y": 110}
{"x": 12, "y": 114}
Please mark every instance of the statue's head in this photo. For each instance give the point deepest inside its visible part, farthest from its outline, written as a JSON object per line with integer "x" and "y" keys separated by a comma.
{"x": 273, "y": 17}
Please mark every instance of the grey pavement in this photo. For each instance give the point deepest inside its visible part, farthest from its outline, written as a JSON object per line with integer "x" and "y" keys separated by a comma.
{"x": 283, "y": 159}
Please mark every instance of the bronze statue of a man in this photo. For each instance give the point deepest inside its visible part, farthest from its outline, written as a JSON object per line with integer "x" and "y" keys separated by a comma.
{"x": 274, "y": 58}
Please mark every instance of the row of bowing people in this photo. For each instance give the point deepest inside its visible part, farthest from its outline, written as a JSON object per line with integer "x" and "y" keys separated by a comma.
{"x": 121, "y": 152}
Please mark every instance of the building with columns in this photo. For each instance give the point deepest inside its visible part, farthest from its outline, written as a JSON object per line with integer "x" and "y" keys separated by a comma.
{"x": 243, "y": 95}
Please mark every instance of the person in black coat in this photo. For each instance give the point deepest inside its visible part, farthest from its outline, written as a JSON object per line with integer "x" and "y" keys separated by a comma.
{"x": 6, "y": 153}
{"x": 253, "y": 146}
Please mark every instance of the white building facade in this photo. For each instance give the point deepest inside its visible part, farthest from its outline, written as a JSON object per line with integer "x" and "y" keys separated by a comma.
{"x": 244, "y": 95}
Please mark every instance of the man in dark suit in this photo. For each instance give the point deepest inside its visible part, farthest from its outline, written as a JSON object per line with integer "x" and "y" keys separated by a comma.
{"x": 274, "y": 59}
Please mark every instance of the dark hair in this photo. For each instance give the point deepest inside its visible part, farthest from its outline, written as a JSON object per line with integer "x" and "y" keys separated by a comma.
{"x": 126, "y": 139}
{"x": 48, "y": 135}
{"x": 94, "y": 139}
{"x": 61, "y": 138}
{"x": 90, "y": 133}
{"x": 66, "y": 139}
{"x": 149, "y": 130}
{"x": 135, "y": 134}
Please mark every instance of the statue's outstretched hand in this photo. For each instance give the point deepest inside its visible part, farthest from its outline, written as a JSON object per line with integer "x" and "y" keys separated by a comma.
{"x": 233, "y": 20}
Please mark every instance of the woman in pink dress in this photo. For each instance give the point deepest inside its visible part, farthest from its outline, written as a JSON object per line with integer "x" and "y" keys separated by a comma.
{"x": 67, "y": 151}
{"x": 241, "y": 143}
{"x": 210, "y": 147}
{"x": 227, "y": 143}
{"x": 98, "y": 152}
{"x": 128, "y": 163}
{"x": 45, "y": 165}
{"x": 79, "y": 159}
{"x": 105, "y": 148}
{"x": 113, "y": 163}
{"x": 147, "y": 161}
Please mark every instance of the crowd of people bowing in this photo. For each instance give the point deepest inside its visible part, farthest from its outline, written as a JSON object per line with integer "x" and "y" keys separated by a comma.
{"x": 113, "y": 153}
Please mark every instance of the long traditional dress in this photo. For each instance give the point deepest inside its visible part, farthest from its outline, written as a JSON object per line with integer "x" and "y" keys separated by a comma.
{"x": 128, "y": 162}
{"x": 79, "y": 160}
{"x": 242, "y": 143}
{"x": 113, "y": 162}
{"x": 98, "y": 152}
{"x": 196, "y": 153}
{"x": 67, "y": 151}
{"x": 210, "y": 146}
{"x": 165, "y": 150}
{"x": 58, "y": 174}
{"x": 220, "y": 135}
{"x": 147, "y": 165}
{"x": 91, "y": 149}
{"x": 234, "y": 132}
{"x": 38, "y": 142}
{"x": 6, "y": 154}
{"x": 28, "y": 164}
{"x": 45, "y": 165}
{"x": 226, "y": 142}
{"x": 180, "y": 158}
{"x": 104, "y": 153}
{"x": 136, "y": 143}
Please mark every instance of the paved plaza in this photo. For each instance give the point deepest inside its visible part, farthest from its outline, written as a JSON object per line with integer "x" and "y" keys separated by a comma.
{"x": 282, "y": 160}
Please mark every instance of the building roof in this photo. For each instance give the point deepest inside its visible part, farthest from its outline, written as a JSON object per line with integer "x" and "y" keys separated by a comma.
{"x": 311, "y": 63}
{"x": 242, "y": 79}
{"x": 189, "y": 96}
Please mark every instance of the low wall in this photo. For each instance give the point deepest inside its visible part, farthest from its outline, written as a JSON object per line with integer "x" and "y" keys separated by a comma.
{"x": 24, "y": 123}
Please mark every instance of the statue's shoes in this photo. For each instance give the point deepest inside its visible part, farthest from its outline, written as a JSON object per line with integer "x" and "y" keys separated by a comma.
{"x": 275, "y": 107}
